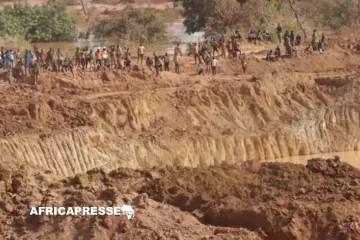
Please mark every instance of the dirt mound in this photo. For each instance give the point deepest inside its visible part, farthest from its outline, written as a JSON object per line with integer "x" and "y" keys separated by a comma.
{"x": 285, "y": 201}
{"x": 22, "y": 111}
{"x": 20, "y": 190}
{"x": 248, "y": 201}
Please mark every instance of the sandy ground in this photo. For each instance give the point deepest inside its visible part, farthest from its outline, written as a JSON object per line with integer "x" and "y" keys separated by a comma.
{"x": 54, "y": 133}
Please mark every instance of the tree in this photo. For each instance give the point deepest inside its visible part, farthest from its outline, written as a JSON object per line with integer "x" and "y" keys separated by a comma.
{"x": 296, "y": 14}
{"x": 49, "y": 22}
{"x": 221, "y": 15}
{"x": 133, "y": 24}
{"x": 337, "y": 13}
{"x": 197, "y": 13}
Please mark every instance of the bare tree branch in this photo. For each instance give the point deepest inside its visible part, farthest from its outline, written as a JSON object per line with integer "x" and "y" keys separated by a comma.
{"x": 297, "y": 18}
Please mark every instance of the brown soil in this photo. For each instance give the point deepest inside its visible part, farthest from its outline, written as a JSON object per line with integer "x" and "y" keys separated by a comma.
{"x": 113, "y": 119}
{"x": 285, "y": 201}
{"x": 248, "y": 201}
{"x": 68, "y": 125}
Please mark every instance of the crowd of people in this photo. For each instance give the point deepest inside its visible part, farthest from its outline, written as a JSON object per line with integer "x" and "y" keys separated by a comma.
{"x": 291, "y": 41}
{"x": 261, "y": 36}
{"x": 205, "y": 54}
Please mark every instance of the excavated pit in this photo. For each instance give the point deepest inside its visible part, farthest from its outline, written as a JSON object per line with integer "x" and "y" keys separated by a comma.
{"x": 103, "y": 139}
{"x": 275, "y": 116}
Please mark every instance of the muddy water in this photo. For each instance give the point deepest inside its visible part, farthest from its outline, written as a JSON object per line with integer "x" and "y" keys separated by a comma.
{"x": 352, "y": 158}
{"x": 175, "y": 31}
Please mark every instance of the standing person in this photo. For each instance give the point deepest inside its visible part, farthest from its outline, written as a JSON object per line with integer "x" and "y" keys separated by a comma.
{"x": 11, "y": 56}
{"x": 1, "y": 61}
{"x": 277, "y": 53}
{"x": 158, "y": 65}
{"x": 298, "y": 40}
{"x": 243, "y": 63}
{"x": 314, "y": 39}
{"x": 235, "y": 48}
{"x": 98, "y": 58}
{"x": 59, "y": 60}
{"x": 2, "y": 57}
{"x": 322, "y": 40}
{"x": 28, "y": 60}
{"x": 166, "y": 62}
{"x": 112, "y": 57}
{"x": 33, "y": 57}
{"x": 279, "y": 31}
{"x": 36, "y": 52}
{"x": 177, "y": 60}
{"x": 229, "y": 48}
{"x": 6, "y": 60}
{"x": 89, "y": 59}
{"x": 127, "y": 57}
{"x": 215, "y": 46}
{"x": 83, "y": 57}
{"x": 292, "y": 38}
{"x": 196, "y": 53}
{"x": 141, "y": 50}
{"x": 207, "y": 60}
{"x": 286, "y": 39}
{"x": 105, "y": 57}
{"x": 18, "y": 55}
{"x": 177, "y": 50}
{"x": 118, "y": 55}
{"x": 35, "y": 72}
{"x": 50, "y": 58}
{"x": 214, "y": 66}
{"x": 77, "y": 57}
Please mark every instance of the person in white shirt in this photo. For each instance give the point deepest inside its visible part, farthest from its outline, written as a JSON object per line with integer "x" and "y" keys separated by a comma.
{"x": 141, "y": 50}
{"x": 177, "y": 60}
{"x": 214, "y": 66}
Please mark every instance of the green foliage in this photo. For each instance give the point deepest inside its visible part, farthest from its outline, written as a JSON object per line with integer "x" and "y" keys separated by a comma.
{"x": 196, "y": 13}
{"x": 222, "y": 16}
{"x": 47, "y": 23}
{"x": 337, "y": 13}
{"x": 133, "y": 24}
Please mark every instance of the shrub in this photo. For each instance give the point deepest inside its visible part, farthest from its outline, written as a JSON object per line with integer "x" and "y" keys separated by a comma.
{"x": 47, "y": 23}
{"x": 133, "y": 24}
{"x": 337, "y": 13}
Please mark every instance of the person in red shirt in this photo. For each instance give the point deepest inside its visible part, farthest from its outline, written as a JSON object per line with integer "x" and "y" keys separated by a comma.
{"x": 98, "y": 58}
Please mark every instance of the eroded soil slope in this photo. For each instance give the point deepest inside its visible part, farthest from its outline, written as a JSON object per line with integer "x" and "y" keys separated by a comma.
{"x": 70, "y": 124}
{"x": 252, "y": 200}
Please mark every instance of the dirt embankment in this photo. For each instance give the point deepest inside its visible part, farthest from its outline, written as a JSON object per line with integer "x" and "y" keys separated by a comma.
{"x": 283, "y": 201}
{"x": 248, "y": 201}
{"x": 70, "y": 124}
